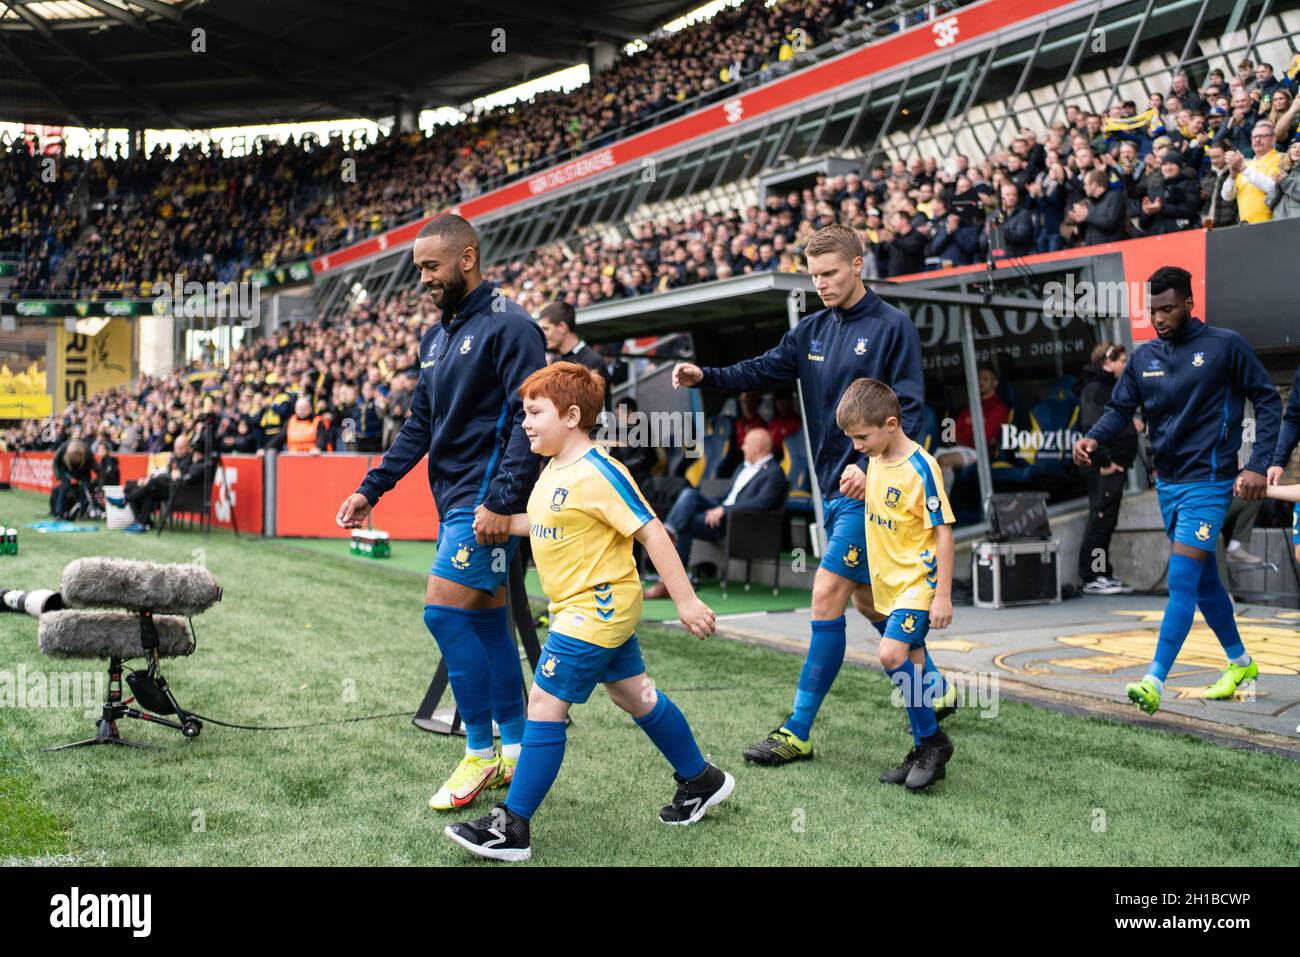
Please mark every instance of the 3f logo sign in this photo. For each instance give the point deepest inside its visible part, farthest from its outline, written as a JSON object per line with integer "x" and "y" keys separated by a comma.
{"x": 735, "y": 110}
{"x": 945, "y": 32}
{"x": 226, "y": 498}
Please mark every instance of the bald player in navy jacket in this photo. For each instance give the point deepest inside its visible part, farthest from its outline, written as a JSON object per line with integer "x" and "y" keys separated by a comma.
{"x": 466, "y": 416}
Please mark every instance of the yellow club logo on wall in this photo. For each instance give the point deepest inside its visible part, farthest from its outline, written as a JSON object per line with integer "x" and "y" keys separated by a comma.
{"x": 94, "y": 357}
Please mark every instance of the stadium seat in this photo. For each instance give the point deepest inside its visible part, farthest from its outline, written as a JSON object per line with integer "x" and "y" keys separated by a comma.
{"x": 794, "y": 462}
{"x": 718, "y": 436}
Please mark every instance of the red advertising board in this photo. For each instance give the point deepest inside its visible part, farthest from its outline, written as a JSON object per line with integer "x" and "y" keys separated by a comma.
{"x": 29, "y": 470}
{"x": 310, "y": 489}
{"x": 1141, "y": 257}
{"x": 237, "y": 491}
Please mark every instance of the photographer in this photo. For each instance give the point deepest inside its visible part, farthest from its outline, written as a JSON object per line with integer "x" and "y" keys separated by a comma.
{"x": 74, "y": 467}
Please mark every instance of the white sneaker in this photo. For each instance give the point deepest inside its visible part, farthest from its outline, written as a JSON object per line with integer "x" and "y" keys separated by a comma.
{"x": 1123, "y": 588}
{"x": 1101, "y": 586}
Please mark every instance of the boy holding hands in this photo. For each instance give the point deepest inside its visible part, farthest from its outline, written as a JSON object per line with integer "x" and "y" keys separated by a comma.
{"x": 583, "y": 515}
{"x": 910, "y": 551}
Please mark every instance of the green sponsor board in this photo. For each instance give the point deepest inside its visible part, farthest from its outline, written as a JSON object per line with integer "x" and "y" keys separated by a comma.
{"x": 56, "y": 308}
{"x": 283, "y": 275}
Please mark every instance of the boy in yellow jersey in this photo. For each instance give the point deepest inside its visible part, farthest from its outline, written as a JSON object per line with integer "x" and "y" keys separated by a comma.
{"x": 910, "y": 551}
{"x": 583, "y": 515}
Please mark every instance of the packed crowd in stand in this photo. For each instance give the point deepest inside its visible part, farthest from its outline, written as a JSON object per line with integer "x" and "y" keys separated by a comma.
{"x": 212, "y": 216}
{"x": 1223, "y": 152}
{"x": 358, "y": 376}
{"x": 1193, "y": 155}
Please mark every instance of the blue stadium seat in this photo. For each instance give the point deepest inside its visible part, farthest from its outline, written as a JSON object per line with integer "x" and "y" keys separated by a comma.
{"x": 1057, "y": 410}
{"x": 718, "y": 436}
{"x": 794, "y": 462}
{"x": 929, "y": 437}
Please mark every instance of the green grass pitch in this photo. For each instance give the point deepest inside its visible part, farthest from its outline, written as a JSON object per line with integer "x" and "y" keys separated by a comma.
{"x": 302, "y": 637}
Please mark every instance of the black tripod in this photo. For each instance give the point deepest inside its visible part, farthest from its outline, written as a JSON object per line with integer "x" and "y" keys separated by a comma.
{"x": 150, "y": 689}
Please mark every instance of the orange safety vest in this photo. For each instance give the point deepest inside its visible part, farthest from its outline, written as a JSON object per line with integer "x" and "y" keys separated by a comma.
{"x": 301, "y": 435}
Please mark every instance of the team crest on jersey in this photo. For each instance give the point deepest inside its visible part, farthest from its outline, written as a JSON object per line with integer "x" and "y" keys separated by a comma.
{"x": 1198, "y": 359}
{"x": 852, "y": 555}
{"x": 466, "y": 344}
{"x": 460, "y": 560}
{"x": 861, "y": 348}
{"x": 909, "y": 623}
{"x": 557, "y": 499}
{"x": 892, "y": 496}
{"x": 548, "y": 667}
{"x": 1203, "y": 533}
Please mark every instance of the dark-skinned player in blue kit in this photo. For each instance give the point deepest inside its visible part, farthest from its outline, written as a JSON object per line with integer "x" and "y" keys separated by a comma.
{"x": 1192, "y": 383}
{"x": 465, "y": 416}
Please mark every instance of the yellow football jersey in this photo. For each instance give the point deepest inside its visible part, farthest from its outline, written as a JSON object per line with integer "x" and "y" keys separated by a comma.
{"x": 905, "y": 501}
{"x": 581, "y": 518}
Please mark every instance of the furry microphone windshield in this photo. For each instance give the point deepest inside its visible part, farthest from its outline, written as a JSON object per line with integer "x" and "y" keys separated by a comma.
{"x": 139, "y": 586}
{"x": 77, "y": 633}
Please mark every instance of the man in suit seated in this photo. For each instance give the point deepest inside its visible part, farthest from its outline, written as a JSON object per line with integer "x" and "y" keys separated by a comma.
{"x": 187, "y": 467}
{"x": 759, "y": 485}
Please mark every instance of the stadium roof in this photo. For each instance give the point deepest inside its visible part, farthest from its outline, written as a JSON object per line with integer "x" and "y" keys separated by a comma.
{"x": 124, "y": 63}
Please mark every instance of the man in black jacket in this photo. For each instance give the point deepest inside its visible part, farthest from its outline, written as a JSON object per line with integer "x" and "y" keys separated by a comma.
{"x": 758, "y": 486}
{"x": 1220, "y": 211}
{"x": 1102, "y": 217}
{"x": 902, "y": 250}
{"x": 1018, "y": 227}
{"x": 559, "y": 324}
{"x": 1177, "y": 205}
{"x": 1105, "y": 477}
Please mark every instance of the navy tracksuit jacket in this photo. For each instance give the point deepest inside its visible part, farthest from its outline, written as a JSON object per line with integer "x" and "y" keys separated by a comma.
{"x": 466, "y": 414}
{"x": 1290, "y": 436}
{"x": 1193, "y": 389}
{"x": 826, "y": 351}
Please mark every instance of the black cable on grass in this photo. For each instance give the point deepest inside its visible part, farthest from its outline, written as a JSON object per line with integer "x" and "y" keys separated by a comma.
{"x": 299, "y": 727}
